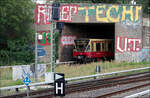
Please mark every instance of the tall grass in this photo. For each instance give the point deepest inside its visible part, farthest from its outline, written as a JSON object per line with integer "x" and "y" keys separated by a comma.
{"x": 89, "y": 69}
{"x": 73, "y": 70}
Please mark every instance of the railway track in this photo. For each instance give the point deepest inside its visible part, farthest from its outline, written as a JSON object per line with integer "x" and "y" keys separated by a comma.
{"x": 109, "y": 94}
{"x": 89, "y": 85}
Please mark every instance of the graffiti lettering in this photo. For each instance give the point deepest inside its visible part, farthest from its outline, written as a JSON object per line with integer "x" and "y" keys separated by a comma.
{"x": 67, "y": 11}
{"x": 43, "y": 14}
{"x": 101, "y": 13}
{"x": 115, "y": 13}
{"x": 86, "y": 8}
{"x": 44, "y": 38}
{"x": 129, "y": 44}
{"x": 138, "y": 8}
{"x": 113, "y": 9}
{"x": 127, "y": 13}
{"x": 67, "y": 40}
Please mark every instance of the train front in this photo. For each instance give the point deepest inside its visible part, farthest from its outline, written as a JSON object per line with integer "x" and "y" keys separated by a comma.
{"x": 80, "y": 50}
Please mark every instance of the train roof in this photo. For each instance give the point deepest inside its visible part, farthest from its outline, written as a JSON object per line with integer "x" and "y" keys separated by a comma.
{"x": 92, "y": 39}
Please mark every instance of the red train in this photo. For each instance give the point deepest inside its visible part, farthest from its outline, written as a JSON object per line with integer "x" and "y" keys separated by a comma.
{"x": 87, "y": 50}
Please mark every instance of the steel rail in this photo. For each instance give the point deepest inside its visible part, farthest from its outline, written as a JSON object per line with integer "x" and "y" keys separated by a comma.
{"x": 122, "y": 91}
{"x": 138, "y": 94}
{"x": 72, "y": 79}
{"x": 105, "y": 83}
{"x": 94, "y": 84}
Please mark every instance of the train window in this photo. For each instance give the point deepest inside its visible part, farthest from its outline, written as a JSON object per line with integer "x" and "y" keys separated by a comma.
{"x": 110, "y": 47}
{"x": 103, "y": 46}
{"x": 106, "y": 45}
{"x": 98, "y": 47}
{"x": 92, "y": 47}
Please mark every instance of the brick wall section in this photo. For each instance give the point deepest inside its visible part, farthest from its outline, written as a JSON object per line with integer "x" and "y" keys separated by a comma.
{"x": 126, "y": 50}
{"x": 146, "y": 37}
{"x": 46, "y": 57}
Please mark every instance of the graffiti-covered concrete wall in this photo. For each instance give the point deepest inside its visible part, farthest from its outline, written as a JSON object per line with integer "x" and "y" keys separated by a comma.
{"x": 128, "y": 36}
{"x": 20, "y": 72}
{"x": 145, "y": 52}
{"x": 80, "y": 13}
{"x": 43, "y": 42}
{"x": 128, "y": 42}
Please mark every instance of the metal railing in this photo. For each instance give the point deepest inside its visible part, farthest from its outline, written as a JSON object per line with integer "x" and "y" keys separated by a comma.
{"x": 72, "y": 79}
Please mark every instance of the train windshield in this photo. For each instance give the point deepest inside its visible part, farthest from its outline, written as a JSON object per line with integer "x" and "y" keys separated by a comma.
{"x": 81, "y": 45}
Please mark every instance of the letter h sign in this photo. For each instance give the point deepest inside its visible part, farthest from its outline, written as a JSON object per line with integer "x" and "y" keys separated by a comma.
{"x": 59, "y": 84}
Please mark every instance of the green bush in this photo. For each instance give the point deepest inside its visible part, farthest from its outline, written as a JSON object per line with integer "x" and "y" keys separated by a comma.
{"x": 17, "y": 52}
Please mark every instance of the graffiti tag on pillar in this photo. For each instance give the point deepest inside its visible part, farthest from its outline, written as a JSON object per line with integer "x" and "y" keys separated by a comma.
{"x": 41, "y": 51}
{"x": 43, "y": 14}
{"x": 67, "y": 40}
{"x": 145, "y": 54}
{"x": 44, "y": 38}
{"x": 124, "y": 44}
{"x": 67, "y": 11}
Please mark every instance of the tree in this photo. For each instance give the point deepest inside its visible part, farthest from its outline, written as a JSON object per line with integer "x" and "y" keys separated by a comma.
{"x": 16, "y": 31}
{"x": 16, "y": 18}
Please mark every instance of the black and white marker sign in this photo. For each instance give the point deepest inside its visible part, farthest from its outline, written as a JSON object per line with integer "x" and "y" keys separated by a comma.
{"x": 59, "y": 84}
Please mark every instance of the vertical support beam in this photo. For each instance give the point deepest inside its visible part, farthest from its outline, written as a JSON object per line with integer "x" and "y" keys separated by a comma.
{"x": 149, "y": 16}
{"x": 52, "y": 46}
{"x": 36, "y": 57}
{"x": 28, "y": 91}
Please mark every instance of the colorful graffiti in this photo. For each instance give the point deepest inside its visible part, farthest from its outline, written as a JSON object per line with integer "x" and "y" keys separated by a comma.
{"x": 20, "y": 72}
{"x": 67, "y": 11}
{"x": 43, "y": 14}
{"x": 102, "y": 13}
{"x": 111, "y": 13}
{"x": 44, "y": 38}
{"x": 67, "y": 40}
{"x": 41, "y": 51}
{"x": 124, "y": 44}
{"x": 145, "y": 55}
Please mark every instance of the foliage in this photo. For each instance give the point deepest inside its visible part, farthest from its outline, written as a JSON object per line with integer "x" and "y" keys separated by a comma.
{"x": 57, "y": 37}
{"x": 17, "y": 52}
{"x": 16, "y": 18}
{"x": 16, "y": 31}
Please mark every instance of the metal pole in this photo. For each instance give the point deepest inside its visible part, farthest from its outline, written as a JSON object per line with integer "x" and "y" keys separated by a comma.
{"x": 52, "y": 46}
{"x": 148, "y": 16}
{"x": 36, "y": 57}
{"x": 27, "y": 92}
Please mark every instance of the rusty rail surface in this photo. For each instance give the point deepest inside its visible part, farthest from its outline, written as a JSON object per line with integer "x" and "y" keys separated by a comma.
{"x": 89, "y": 85}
